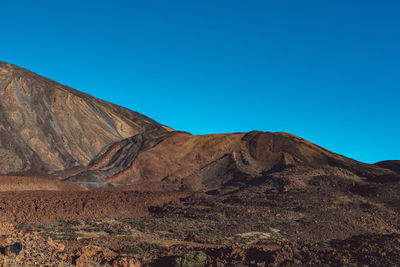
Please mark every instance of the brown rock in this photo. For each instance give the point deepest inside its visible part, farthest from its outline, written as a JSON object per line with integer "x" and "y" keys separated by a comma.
{"x": 82, "y": 261}
{"x": 125, "y": 262}
{"x": 6, "y": 228}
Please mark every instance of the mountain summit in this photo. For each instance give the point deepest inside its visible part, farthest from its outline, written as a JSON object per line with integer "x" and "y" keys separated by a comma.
{"x": 47, "y": 127}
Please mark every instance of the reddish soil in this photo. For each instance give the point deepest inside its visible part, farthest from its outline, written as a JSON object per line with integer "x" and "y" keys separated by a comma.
{"x": 269, "y": 221}
{"x": 21, "y": 183}
{"x": 50, "y": 206}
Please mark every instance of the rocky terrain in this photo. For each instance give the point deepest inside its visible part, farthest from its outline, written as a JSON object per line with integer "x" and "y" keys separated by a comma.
{"x": 88, "y": 183}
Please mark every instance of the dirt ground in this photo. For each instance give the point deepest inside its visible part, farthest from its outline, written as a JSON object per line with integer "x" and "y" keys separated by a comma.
{"x": 50, "y": 206}
{"x": 273, "y": 221}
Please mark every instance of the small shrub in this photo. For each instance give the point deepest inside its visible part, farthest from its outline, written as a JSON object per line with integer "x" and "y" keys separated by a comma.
{"x": 190, "y": 259}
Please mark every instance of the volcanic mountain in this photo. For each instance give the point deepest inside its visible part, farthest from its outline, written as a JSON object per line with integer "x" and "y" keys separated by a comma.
{"x": 181, "y": 160}
{"x": 47, "y": 127}
{"x": 53, "y": 131}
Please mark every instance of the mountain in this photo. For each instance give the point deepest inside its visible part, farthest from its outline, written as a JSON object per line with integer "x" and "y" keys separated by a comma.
{"x": 204, "y": 162}
{"x": 52, "y": 131}
{"x": 47, "y": 127}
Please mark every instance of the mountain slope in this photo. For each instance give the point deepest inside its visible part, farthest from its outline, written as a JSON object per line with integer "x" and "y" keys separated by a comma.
{"x": 47, "y": 127}
{"x": 393, "y": 165}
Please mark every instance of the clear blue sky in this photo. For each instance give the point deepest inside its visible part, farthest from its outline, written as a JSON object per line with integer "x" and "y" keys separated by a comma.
{"x": 328, "y": 71}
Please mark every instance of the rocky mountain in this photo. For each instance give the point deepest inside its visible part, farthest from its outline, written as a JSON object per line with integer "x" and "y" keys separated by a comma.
{"x": 47, "y": 127}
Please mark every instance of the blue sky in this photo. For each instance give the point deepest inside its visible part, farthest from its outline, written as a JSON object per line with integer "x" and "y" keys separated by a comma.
{"x": 328, "y": 71}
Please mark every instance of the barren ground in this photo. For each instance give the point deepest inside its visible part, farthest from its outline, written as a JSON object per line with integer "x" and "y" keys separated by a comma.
{"x": 275, "y": 222}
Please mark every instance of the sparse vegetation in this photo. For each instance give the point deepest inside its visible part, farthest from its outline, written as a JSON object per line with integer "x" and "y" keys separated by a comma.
{"x": 190, "y": 259}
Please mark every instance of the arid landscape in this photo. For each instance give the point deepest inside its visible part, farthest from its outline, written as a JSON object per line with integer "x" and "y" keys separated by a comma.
{"x": 87, "y": 183}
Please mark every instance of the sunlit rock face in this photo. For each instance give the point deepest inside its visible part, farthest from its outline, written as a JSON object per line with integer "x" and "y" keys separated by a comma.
{"x": 47, "y": 127}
